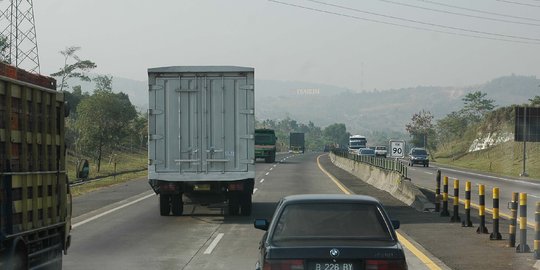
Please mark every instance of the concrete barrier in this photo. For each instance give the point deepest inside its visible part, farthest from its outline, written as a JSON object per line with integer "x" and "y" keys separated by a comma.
{"x": 386, "y": 180}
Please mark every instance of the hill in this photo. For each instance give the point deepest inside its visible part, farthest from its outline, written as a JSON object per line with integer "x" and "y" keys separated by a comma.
{"x": 362, "y": 112}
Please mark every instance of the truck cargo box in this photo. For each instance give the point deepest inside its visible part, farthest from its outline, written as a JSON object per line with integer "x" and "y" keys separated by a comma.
{"x": 201, "y": 123}
{"x": 35, "y": 204}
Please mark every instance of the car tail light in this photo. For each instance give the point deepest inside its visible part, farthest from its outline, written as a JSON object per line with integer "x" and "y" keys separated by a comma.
{"x": 386, "y": 265}
{"x": 283, "y": 265}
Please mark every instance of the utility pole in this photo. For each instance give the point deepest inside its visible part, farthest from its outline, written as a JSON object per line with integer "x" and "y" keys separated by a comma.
{"x": 18, "y": 27}
{"x": 525, "y": 135}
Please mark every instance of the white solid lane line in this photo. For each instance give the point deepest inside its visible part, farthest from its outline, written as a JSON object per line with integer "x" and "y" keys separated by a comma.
{"x": 110, "y": 211}
{"x": 493, "y": 177}
{"x": 428, "y": 172}
{"x": 213, "y": 244}
{"x": 262, "y": 180}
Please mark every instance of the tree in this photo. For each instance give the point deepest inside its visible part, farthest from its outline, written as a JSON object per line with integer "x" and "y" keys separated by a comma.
{"x": 337, "y": 133}
{"x": 104, "y": 120}
{"x": 451, "y": 126}
{"x": 476, "y": 106}
{"x": 421, "y": 127}
{"x": 74, "y": 67}
{"x": 535, "y": 101}
{"x": 4, "y": 46}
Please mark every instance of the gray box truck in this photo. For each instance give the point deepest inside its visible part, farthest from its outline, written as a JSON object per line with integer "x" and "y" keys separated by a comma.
{"x": 201, "y": 127}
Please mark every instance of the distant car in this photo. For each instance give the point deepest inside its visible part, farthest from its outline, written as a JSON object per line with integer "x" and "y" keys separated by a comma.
{"x": 381, "y": 151}
{"x": 367, "y": 152}
{"x": 329, "y": 231}
{"x": 418, "y": 156}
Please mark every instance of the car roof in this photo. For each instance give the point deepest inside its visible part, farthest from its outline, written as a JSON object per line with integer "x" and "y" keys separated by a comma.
{"x": 330, "y": 198}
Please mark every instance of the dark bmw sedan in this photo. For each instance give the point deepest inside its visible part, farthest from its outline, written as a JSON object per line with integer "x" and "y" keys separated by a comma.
{"x": 329, "y": 232}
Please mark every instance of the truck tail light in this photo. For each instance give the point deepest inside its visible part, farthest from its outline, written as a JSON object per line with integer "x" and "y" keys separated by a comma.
{"x": 386, "y": 265}
{"x": 283, "y": 265}
{"x": 167, "y": 187}
{"x": 236, "y": 187}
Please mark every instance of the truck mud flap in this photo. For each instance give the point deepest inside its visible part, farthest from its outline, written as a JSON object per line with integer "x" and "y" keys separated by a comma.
{"x": 154, "y": 184}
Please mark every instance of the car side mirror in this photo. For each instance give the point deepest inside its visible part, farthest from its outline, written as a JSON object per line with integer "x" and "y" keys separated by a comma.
{"x": 261, "y": 224}
{"x": 396, "y": 224}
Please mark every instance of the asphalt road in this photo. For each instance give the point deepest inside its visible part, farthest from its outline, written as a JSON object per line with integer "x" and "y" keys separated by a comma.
{"x": 120, "y": 227}
{"x": 425, "y": 177}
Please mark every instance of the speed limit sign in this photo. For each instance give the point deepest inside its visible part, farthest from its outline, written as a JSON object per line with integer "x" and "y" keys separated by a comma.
{"x": 397, "y": 149}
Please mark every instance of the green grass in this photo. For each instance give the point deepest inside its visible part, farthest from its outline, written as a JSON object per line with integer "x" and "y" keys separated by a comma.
{"x": 503, "y": 159}
{"x": 126, "y": 162}
{"x": 105, "y": 182}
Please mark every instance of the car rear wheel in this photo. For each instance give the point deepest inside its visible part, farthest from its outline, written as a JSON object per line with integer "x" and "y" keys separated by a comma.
{"x": 164, "y": 204}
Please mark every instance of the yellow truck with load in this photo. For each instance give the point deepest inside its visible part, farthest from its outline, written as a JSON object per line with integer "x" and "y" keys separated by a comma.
{"x": 35, "y": 210}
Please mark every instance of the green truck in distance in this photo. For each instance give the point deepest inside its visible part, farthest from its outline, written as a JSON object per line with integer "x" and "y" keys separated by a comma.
{"x": 265, "y": 144}
{"x": 297, "y": 143}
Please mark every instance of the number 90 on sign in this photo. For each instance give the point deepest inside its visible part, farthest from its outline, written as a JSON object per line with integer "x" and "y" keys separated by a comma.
{"x": 397, "y": 148}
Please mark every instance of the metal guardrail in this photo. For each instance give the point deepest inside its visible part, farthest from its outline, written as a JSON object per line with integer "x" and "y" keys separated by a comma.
{"x": 383, "y": 163}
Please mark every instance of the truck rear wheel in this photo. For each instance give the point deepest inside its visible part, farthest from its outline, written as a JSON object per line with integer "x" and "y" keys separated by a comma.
{"x": 164, "y": 204}
{"x": 177, "y": 205}
{"x": 246, "y": 204}
{"x": 233, "y": 205}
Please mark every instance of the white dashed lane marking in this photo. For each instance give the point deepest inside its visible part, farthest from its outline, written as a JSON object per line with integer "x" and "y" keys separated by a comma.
{"x": 267, "y": 173}
{"x": 262, "y": 180}
{"x": 255, "y": 190}
{"x": 213, "y": 244}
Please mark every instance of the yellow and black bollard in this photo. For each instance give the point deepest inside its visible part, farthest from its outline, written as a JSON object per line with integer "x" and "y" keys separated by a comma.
{"x": 537, "y": 232}
{"x": 444, "y": 211}
{"x": 513, "y": 205}
{"x": 482, "y": 210}
{"x": 495, "y": 235}
{"x": 523, "y": 247}
{"x": 455, "y": 216}
{"x": 438, "y": 192}
{"x": 467, "y": 222}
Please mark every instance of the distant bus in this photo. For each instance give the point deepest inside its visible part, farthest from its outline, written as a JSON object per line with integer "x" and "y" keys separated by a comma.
{"x": 356, "y": 142}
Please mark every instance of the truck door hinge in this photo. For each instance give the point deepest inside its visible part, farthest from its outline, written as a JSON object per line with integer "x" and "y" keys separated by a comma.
{"x": 155, "y": 137}
{"x": 154, "y": 112}
{"x": 247, "y": 87}
{"x": 155, "y": 87}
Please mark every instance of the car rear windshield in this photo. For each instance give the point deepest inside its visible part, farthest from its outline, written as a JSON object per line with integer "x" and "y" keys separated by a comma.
{"x": 381, "y": 148}
{"x": 330, "y": 223}
{"x": 419, "y": 152}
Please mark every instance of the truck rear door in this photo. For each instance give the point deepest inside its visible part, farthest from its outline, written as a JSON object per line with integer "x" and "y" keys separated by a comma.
{"x": 202, "y": 123}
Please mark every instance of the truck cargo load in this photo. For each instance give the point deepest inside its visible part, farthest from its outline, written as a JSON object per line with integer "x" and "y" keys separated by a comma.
{"x": 201, "y": 136}
{"x": 296, "y": 142}
{"x": 265, "y": 144}
{"x": 35, "y": 210}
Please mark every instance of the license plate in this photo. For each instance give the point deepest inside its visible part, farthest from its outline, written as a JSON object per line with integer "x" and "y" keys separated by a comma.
{"x": 201, "y": 188}
{"x": 332, "y": 266}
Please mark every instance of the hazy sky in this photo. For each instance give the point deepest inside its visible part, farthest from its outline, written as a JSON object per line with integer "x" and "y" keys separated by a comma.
{"x": 282, "y": 42}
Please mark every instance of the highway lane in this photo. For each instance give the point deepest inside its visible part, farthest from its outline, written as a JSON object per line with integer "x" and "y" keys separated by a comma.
{"x": 137, "y": 237}
{"x": 425, "y": 177}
